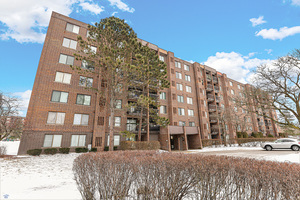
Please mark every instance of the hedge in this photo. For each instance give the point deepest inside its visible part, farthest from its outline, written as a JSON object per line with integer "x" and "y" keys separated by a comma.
{"x": 177, "y": 176}
{"x": 34, "y": 152}
{"x": 51, "y": 151}
{"x": 140, "y": 145}
{"x": 81, "y": 150}
{"x": 107, "y": 148}
{"x": 64, "y": 150}
{"x": 93, "y": 150}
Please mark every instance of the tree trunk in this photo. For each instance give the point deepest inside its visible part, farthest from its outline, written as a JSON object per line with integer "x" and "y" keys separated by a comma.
{"x": 140, "y": 125}
{"x": 147, "y": 120}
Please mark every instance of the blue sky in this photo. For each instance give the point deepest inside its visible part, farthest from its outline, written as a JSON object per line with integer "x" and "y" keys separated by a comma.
{"x": 232, "y": 36}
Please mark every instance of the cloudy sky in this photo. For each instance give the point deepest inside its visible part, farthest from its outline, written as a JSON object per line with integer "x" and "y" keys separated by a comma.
{"x": 232, "y": 36}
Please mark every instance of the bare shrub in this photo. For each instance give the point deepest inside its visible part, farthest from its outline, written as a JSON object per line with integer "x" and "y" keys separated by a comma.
{"x": 176, "y": 176}
{"x": 3, "y": 150}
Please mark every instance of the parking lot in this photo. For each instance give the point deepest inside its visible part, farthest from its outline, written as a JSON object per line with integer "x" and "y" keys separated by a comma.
{"x": 256, "y": 153}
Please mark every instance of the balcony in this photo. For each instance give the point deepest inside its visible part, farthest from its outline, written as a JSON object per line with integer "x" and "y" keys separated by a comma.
{"x": 208, "y": 78}
{"x": 215, "y": 80}
{"x": 134, "y": 94}
{"x": 214, "y": 132}
{"x": 210, "y": 98}
{"x": 209, "y": 87}
{"x": 153, "y": 95}
{"x": 213, "y": 120}
{"x": 218, "y": 99}
{"x": 260, "y": 123}
{"x": 135, "y": 111}
{"x": 216, "y": 89}
{"x": 211, "y": 108}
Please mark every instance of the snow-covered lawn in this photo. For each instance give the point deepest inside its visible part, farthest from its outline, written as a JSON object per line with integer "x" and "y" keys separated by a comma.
{"x": 51, "y": 176}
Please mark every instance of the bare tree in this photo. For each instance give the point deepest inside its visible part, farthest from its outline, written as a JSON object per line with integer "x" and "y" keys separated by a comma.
{"x": 276, "y": 87}
{"x": 10, "y": 124}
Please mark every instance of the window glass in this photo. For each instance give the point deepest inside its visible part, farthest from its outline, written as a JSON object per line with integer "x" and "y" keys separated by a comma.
{"x": 163, "y": 109}
{"x": 85, "y": 120}
{"x": 117, "y": 121}
{"x": 67, "y": 78}
{"x": 118, "y": 104}
{"x": 116, "y": 140}
{"x": 179, "y": 86}
{"x": 74, "y": 140}
{"x": 188, "y": 78}
{"x": 87, "y": 100}
{"x": 55, "y": 96}
{"x": 51, "y": 118}
{"x": 60, "y": 118}
{"x": 77, "y": 119}
{"x": 89, "y": 82}
{"x": 56, "y": 140}
{"x": 70, "y": 60}
{"x": 189, "y": 100}
{"x": 87, "y": 65}
{"x": 48, "y": 141}
{"x": 188, "y": 88}
{"x": 191, "y": 123}
{"x": 63, "y": 59}
{"x": 81, "y": 141}
{"x": 73, "y": 44}
{"x": 186, "y": 67}
{"x": 64, "y": 97}
{"x": 162, "y": 95}
{"x": 59, "y": 77}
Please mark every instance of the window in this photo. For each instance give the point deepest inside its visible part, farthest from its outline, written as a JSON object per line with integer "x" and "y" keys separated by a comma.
{"x": 52, "y": 141}
{"x": 81, "y": 119}
{"x": 161, "y": 58}
{"x": 250, "y": 128}
{"x": 65, "y": 59}
{"x": 235, "y": 109}
{"x": 203, "y": 92}
{"x": 87, "y": 65}
{"x": 186, "y": 67}
{"x": 181, "y": 123}
{"x": 162, "y": 95}
{"x": 163, "y": 109}
{"x": 239, "y": 86}
{"x": 180, "y": 111}
{"x": 188, "y": 88}
{"x": 226, "y": 127}
{"x": 189, "y": 100}
{"x": 205, "y": 114}
{"x": 243, "y": 110}
{"x": 179, "y": 86}
{"x": 232, "y": 92}
{"x": 61, "y": 97}
{"x": 204, "y": 103}
{"x": 131, "y": 124}
{"x": 117, "y": 121}
{"x": 116, "y": 140}
{"x": 63, "y": 77}
{"x": 177, "y": 64}
{"x": 222, "y": 106}
{"x": 239, "y": 127}
{"x": 85, "y": 81}
{"x": 230, "y": 83}
{"x": 180, "y": 98}
{"x": 191, "y": 123}
{"x": 249, "y": 119}
{"x": 78, "y": 140}
{"x": 83, "y": 99}
{"x": 190, "y": 112}
{"x": 56, "y": 118}
{"x": 72, "y": 28}
{"x": 118, "y": 104}
{"x": 207, "y": 127}
{"x": 220, "y": 88}
{"x": 188, "y": 78}
{"x": 119, "y": 87}
{"x": 91, "y": 49}
{"x": 178, "y": 75}
{"x": 69, "y": 43}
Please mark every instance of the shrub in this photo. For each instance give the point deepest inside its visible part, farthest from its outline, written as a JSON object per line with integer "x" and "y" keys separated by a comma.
{"x": 270, "y": 135}
{"x": 81, "y": 150}
{"x": 245, "y": 134}
{"x": 51, "y": 151}
{"x": 64, "y": 150}
{"x": 34, "y": 152}
{"x": 107, "y": 148}
{"x": 93, "y": 150}
{"x": 239, "y": 134}
{"x": 140, "y": 145}
{"x": 260, "y": 134}
{"x": 3, "y": 150}
{"x": 211, "y": 142}
{"x": 283, "y": 134}
{"x": 182, "y": 176}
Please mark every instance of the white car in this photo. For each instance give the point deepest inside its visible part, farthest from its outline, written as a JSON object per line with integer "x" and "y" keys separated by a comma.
{"x": 282, "y": 143}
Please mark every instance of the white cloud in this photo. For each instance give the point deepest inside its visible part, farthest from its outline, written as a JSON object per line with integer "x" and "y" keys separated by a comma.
{"x": 93, "y": 8}
{"x": 113, "y": 14}
{"x": 257, "y": 21}
{"x": 296, "y": 2}
{"x": 235, "y": 65}
{"x": 121, "y": 5}
{"x": 269, "y": 51}
{"x": 24, "y": 101}
{"x": 26, "y": 21}
{"x": 275, "y": 34}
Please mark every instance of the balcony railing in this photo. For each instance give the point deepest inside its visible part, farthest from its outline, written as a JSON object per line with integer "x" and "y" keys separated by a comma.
{"x": 134, "y": 95}
{"x": 209, "y": 87}
{"x": 213, "y": 120}
{"x": 211, "y": 108}
{"x": 210, "y": 97}
{"x": 215, "y": 80}
{"x": 217, "y": 99}
{"x": 208, "y": 77}
{"x": 216, "y": 89}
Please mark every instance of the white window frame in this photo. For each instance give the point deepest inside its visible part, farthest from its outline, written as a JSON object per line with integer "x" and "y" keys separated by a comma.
{"x": 178, "y": 75}
{"x": 72, "y": 28}
{"x": 178, "y": 64}
{"x": 181, "y": 112}
{"x": 69, "y": 43}
{"x": 63, "y": 96}
{"x": 117, "y": 121}
{"x": 180, "y": 98}
{"x": 53, "y": 139}
{"x": 188, "y": 88}
{"x": 61, "y": 77}
{"x": 186, "y": 67}
{"x": 191, "y": 112}
{"x": 163, "y": 109}
{"x": 161, "y": 58}
{"x": 192, "y": 123}
{"x": 188, "y": 78}
{"x": 80, "y": 116}
{"x": 232, "y": 92}
{"x": 163, "y": 95}
{"x": 116, "y": 140}
{"x": 66, "y": 59}
{"x": 77, "y": 140}
{"x": 181, "y": 123}
{"x": 189, "y": 100}
{"x": 59, "y": 118}
{"x": 118, "y": 104}
{"x": 85, "y": 81}
{"x": 230, "y": 83}
{"x": 179, "y": 86}
{"x": 86, "y": 99}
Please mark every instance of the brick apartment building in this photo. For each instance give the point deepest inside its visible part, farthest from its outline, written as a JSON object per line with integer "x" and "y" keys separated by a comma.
{"x": 63, "y": 113}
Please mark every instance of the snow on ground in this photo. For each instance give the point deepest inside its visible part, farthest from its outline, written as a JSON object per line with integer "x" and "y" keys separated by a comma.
{"x": 12, "y": 147}
{"x": 51, "y": 176}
